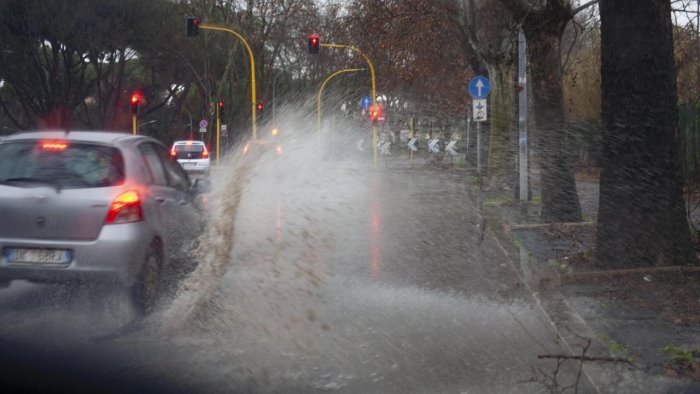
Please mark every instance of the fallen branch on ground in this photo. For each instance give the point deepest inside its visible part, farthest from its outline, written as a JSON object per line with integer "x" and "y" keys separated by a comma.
{"x": 584, "y": 358}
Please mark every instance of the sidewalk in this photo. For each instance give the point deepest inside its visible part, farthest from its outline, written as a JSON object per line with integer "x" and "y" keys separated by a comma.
{"x": 637, "y": 329}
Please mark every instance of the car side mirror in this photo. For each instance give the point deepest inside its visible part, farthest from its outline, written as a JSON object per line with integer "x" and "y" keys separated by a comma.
{"x": 201, "y": 186}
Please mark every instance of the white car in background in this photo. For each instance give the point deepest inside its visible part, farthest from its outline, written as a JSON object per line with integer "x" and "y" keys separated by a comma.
{"x": 193, "y": 156}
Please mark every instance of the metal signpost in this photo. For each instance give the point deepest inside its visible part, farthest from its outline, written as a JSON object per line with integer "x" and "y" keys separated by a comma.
{"x": 469, "y": 129}
{"x": 479, "y": 88}
{"x": 203, "y": 127}
{"x": 522, "y": 118}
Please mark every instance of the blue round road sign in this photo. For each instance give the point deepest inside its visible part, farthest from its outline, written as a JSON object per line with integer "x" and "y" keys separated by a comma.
{"x": 479, "y": 87}
{"x": 365, "y": 102}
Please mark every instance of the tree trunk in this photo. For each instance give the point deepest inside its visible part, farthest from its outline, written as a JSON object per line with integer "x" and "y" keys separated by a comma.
{"x": 501, "y": 157}
{"x": 488, "y": 31}
{"x": 641, "y": 220}
{"x": 559, "y": 198}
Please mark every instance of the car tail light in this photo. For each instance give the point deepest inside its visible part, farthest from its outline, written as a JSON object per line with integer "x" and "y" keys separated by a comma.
{"x": 173, "y": 153}
{"x": 205, "y": 153}
{"x": 126, "y": 208}
{"x": 53, "y": 146}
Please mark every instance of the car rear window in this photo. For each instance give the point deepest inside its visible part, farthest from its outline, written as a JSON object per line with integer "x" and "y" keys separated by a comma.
{"x": 188, "y": 151}
{"x": 64, "y": 163}
{"x": 189, "y": 148}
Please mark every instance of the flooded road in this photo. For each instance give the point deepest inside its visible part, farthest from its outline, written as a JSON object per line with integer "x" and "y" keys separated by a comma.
{"x": 341, "y": 278}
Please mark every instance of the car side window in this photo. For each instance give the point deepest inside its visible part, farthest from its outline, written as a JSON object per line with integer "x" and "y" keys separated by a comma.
{"x": 177, "y": 177}
{"x": 155, "y": 167}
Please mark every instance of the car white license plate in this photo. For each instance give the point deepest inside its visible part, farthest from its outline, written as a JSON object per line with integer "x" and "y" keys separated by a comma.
{"x": 189, "y": 164}
{"x": 38, "y": 256}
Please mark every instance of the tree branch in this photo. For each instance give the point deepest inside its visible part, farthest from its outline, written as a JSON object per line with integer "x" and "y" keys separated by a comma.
{"x": 584, "y": 358}
{"x": 584, "y": 6}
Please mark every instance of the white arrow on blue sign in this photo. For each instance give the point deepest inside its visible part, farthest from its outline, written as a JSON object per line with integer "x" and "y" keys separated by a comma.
{"x": 365, "y": 102}
{"x": 479, "y": 87}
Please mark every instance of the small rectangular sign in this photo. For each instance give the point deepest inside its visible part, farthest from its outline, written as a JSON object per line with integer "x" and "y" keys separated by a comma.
{"x": 479, "y": 110}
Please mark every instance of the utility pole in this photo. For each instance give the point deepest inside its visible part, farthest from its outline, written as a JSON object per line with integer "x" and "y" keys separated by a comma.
{"x": 190, "y": 124}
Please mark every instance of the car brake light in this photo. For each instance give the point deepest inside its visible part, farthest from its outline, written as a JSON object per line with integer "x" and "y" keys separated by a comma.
{"x": 126, "y": 208}
{"x": 173, "y": 153}
{"x": 205, "y": 153}
{"x": 54, "y": 146}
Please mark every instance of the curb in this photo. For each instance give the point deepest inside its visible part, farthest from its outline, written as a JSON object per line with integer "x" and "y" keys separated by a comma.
{"x": 571, "y": 325}
{"x": 578, "y": 277}
{"x": 507, "y": 228}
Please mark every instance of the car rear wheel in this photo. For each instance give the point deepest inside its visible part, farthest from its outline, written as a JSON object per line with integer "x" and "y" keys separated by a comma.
{"x": 146, "y": 290}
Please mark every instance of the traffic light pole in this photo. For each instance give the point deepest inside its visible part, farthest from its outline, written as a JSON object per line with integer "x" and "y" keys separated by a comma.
{"x": 134, "y": 124}
{"x": 253, "y": 97}
{"x": 374, "y": 91}
{"x": 320, "y": 92}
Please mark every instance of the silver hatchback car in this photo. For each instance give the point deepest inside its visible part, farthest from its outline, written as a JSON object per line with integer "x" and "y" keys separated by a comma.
{"x": 93, "y": 206}
{"x": 193, "y": 156}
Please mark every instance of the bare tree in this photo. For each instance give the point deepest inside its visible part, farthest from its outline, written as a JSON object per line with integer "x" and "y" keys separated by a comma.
{"x": 490, "y": 32}
{"x": 543, "y": 23}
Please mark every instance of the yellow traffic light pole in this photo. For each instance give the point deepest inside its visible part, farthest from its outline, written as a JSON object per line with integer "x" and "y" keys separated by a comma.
{"x": 134, "y": 124}
{"x": 253, "y": 98}
{"x": 320, "y": 92}
{"x": 374, "y": 90}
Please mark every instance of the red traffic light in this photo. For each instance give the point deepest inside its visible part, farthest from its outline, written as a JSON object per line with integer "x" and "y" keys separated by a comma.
{"x": 135, "y": 102}
{"x": 314, "y": 44}
{"x": 261, "y": 106}
{"x": 375, "y": 112}
{"x": 220, "y": 109}
{"x": 192, "y": 26}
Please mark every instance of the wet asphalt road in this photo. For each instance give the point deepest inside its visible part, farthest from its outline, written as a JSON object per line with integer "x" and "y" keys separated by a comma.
{"x": 341, "y": 279}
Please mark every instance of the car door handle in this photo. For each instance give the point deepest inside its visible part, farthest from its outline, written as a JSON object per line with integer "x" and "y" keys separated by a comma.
{"x": 161, "y": 200}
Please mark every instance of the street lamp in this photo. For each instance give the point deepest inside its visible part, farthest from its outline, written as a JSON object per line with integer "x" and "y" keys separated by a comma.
{"x": 190, "y": 124}
{"x": 374, "y": 89}
{"x": 320, "y": 92}
{"x": 191, "y": 32}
